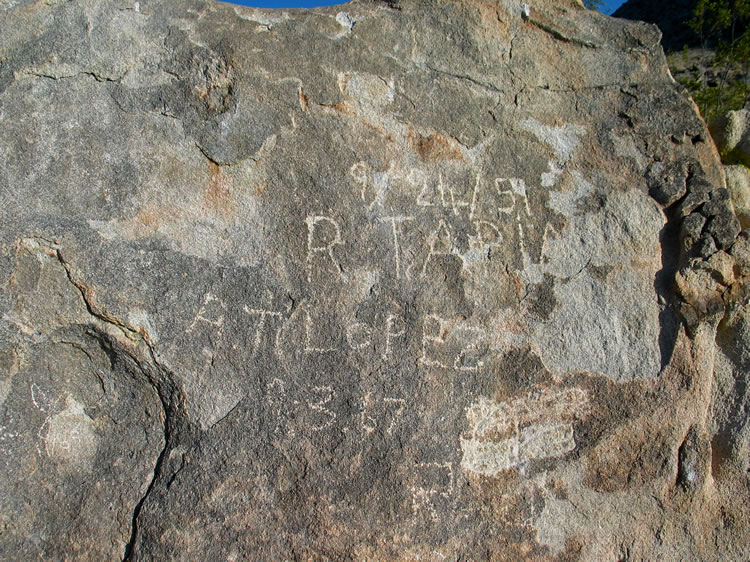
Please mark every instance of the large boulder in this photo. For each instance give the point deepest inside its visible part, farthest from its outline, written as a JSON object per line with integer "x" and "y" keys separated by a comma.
{"x": 738, "y": 183}
{"x": 389, "y": 280}
{"x": 731, "y": 133}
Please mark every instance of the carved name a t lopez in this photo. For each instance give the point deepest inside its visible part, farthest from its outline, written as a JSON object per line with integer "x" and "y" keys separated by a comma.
{"x": 445, "y": 343}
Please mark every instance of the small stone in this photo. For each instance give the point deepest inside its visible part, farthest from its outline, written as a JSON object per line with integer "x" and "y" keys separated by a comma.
{"x": 701, "y": 290}
{"x": 706, "y": 246}
{"x": 724, "y": 227}
{"x": 667, "y": 183}
{"x": 698, "y": 182}
{"x": 691, "y": 202}
{"x": 691, "y": 227}
{"x": 721, "y": 265}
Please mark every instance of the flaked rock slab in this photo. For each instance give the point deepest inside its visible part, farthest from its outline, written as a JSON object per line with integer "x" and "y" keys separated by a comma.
{"x": 386, "y": 280}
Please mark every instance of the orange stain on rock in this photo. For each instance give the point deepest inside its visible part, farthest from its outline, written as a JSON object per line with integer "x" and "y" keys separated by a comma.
{"x": 436, "y": 147}
{"x": 492, "y": 20}
{"x": 339, "y": 107}
{"x": 149, "y": 219}
{"x": 303, "y": 100}
{"x": 218, "y": 194}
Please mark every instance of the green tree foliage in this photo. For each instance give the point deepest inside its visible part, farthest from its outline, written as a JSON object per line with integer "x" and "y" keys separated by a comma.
{"x": 709, "y": 19}
{"x": 722, "y": 25}
{"x": 593, "y": 4}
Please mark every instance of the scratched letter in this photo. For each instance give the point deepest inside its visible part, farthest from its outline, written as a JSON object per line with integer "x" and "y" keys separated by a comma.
{"x": 260, "y": 327}
{"x": 323, "y": 235}
{"x": 395, "y": 221}
{"x": 394, "y": 328}
{"x": 433, "y": 332}
{"x": 440, "y": 243}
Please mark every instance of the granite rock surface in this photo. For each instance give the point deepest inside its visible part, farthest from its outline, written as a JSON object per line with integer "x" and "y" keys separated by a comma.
{"x": 731, "y": 133}
{"x": 738, "y": 183}
{"x": 389, "y": 280}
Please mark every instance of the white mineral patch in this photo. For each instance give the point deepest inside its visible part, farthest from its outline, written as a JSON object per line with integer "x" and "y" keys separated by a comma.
{"x": 562, "y": 518}
{"x": 601, "y": 325}
{"x": 626, "y": 227}
{"x": 489, "y": 458}
{"x": 212, "y": 403}
{"x": 546, "y": 440}
{"x": 263, "y": 17}
{"x": 548, "y": 179}
{"x": 567, "y": 202}
{"x": 345, "y": 20}
{"x": 507, "y": 434}
{"x": 381, "y": 184}
{"x": 139, "y": 321}
{"x": 604, "y": 327}
{"x": 563, "y": 140}
{"x": 187, "y": 229}
{"x": 625, "y": 146}
{"x": 364, "y": 280}
{"x": 475, "y": 255}
{"x": 367, "y": 90}
{"x": 5, "y": 386}
{"x": 71, "y": 436}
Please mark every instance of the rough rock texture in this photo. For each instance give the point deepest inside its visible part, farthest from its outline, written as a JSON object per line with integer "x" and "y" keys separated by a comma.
{"x": 731, "y": 133}
{"x": 403, "y": 280}
{"x": 738, "y": 183}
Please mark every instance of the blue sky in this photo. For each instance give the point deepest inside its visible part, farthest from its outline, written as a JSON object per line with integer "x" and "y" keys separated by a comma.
{"x": 611, "y": 5}
{"x": 608, "y": 7}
